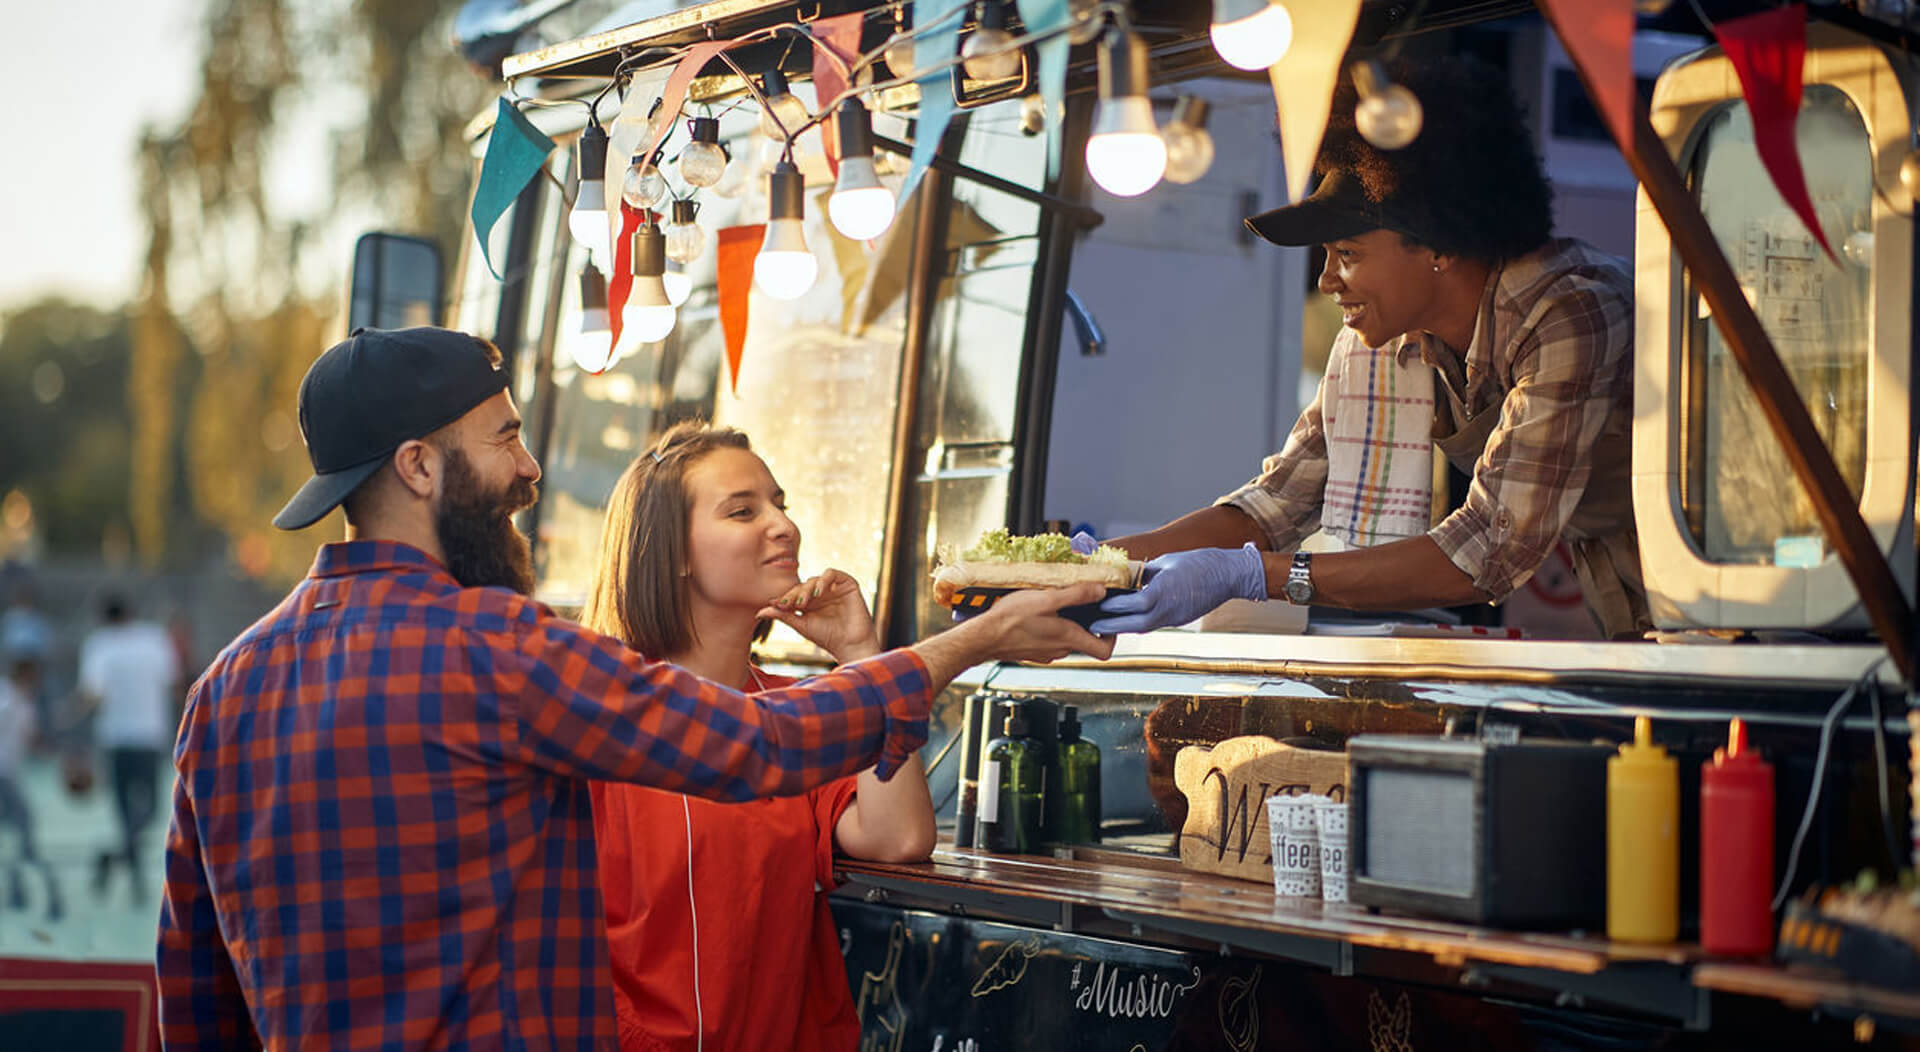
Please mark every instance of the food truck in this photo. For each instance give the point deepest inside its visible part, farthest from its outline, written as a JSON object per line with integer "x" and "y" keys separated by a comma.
{"x": 1020, "y": 347}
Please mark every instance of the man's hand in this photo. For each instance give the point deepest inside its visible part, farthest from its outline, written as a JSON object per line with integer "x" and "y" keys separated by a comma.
{"x": 1022, "y": 626}
{"x": 1184, "y": 585}
{"x": 829, "y": 612}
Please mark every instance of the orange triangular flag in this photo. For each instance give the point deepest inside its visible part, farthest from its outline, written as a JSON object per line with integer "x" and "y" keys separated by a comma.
{"x": 734, "y": 278}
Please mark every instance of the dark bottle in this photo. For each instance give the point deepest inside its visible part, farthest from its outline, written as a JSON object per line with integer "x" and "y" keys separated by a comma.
{"x": 1012, "y": 789}
{"x": 977, "y": 717}
{"x": 1075, "y": 801}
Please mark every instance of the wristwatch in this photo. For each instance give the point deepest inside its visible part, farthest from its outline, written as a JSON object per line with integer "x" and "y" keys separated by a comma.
{"x": 1299, "y": 587}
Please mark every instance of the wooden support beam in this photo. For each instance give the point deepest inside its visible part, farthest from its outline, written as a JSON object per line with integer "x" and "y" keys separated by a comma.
{"x": 1812, "y": 462}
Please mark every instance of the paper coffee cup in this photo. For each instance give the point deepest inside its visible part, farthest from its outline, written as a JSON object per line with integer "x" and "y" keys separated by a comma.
{"x": 1332, "y": 819}
{"x": 1293, "y": 826}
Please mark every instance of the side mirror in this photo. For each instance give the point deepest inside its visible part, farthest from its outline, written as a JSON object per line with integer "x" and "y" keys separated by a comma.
{"x": 396, "y": 282}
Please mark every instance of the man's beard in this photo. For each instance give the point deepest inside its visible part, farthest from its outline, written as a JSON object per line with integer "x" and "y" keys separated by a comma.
{"x": 477, "y": 537}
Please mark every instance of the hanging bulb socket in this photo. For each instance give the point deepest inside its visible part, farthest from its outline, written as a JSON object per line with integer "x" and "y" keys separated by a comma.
{"x": 786, "y": 192}
{"x": 685, "y": 210}
{"x": 1191, "y": 110}
{"x": 593, "y": 154}
{"x": 856, "y": 129}
{"x": 593, "y": 292}
{"x": 993, "y": 15}
{"x": 1123, "y": 66}
{"x": 704, "y": 129}
{"x": 649, "y": 250}
{"x": 773, "y": 84}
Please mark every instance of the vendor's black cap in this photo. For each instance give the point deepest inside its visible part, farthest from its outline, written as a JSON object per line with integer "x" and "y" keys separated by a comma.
{"x": 371, "y": 392}
{"x": 1338, "y": 208}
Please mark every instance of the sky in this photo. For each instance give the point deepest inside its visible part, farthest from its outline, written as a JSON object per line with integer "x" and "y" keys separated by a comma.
{"x": 88, "y": 77}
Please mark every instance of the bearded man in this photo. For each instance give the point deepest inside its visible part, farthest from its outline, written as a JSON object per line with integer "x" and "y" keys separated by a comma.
{"x": 381, "y": 834}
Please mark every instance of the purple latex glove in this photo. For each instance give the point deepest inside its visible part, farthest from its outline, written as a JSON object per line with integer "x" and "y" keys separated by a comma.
{"x": 1184, "y": 585}
{"x": 1083, "y": 543}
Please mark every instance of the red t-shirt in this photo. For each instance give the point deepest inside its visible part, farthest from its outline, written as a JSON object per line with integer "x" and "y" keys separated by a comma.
{"x": 740, "y": 887}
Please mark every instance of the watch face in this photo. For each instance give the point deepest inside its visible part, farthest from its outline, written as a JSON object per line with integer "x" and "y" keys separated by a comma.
{"x": 1299, "y": 591}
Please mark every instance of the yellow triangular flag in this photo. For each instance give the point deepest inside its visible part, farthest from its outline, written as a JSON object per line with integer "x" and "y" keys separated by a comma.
{"x": 1303, "y": 82}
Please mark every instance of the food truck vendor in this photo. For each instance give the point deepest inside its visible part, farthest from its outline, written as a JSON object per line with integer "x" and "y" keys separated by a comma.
{"x": 1443, "y": 253}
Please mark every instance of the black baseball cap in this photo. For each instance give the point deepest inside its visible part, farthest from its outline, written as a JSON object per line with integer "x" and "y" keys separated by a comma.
{"x": 371, "y": 392}
{"x": 1338, "y": 208}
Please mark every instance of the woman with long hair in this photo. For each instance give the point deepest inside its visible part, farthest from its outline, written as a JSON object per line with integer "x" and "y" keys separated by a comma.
{"x": 717, "y": 913}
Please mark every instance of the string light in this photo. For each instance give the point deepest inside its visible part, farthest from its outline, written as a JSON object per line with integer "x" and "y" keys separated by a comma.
{"x": 649, "y": 314}
{"x": 899, "y": 54}
{"x": 702, "y": 162}
{"x": 685, "y": 239}
{"x": 645, "y": 185}
{"x": 784, "y": 114}
{"x": 1189, "y": 146}
{"x": 587, "y": 221}
{"x": 785, "y": 268}
{"x": 1389, "y": 115}
{"x": 860, "y": 207}
{"x": 991, "y": 53}
{"x": 592, "y": 346}
{"x": 1125, "y": 154}
{"x": 1250, "y": 34}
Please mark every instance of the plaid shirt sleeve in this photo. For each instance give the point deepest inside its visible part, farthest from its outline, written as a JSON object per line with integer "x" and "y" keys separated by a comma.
{"x": 1284, "y": 499}
{"x": 1572, "y": 366}
{"x": 591, "y": 706}
{"x": 200, "y": 1001}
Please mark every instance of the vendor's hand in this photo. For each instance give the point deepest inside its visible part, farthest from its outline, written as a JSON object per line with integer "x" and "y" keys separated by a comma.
{"x": 1027, "y": 626}
{"x": 1182, "y": 586}
{"x": 1083, "y": 543}
{"x": 829, "y": 612}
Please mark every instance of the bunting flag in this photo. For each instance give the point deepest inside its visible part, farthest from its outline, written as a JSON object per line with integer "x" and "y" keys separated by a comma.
{"x": 621, "y": 283}
{"x": 934, "y": 49}
{"x": 516, "y": 150}
{"x": 733, "y": 277}
{"x": 1303, "y": 82}
{"x": 1045, "y": 16}
{"x": 1767, "y": 51}
{"x": 1599, "y": 36}
{"x": 839, "y": 38}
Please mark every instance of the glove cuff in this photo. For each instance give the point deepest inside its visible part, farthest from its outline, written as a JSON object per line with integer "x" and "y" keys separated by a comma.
{"x": 1253, "y": 579}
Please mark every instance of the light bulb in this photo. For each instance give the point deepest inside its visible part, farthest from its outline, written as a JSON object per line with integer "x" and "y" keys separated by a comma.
{"x": 679, "y": 286}
{"x": 1124, "y": 154}
{"x": 592, "y": 346}
{"x": 785, "y": 268}
{"x": 1858, "y": 248}
{"x": 645, "y": 185}
{"x": 1189, "y": 146}
{"x": 991, "y": 53}
{"x": 702, "y": 161}
{"x": 784, "y": 114}
{"x": 646, "y": 322}
{"x": 685, "y": 239}
{"x": 587, "y": 220}
{"x": 649, "y": 313}
{"x": 1910, "y": 173}
{"x": 860, "y": 207}
{"x": 1389, "y": 115}
{"x": 1250, "y": 34}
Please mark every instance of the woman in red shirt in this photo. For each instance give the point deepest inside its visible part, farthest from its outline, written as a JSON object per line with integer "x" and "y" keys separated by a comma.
{"x": 717, "y": 914}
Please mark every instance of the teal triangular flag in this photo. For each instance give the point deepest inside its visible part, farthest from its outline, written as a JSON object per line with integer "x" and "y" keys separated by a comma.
{"x": 515, "y": 151}
{"x": 935, "y": 45}
{"x": 1043, "y": 16}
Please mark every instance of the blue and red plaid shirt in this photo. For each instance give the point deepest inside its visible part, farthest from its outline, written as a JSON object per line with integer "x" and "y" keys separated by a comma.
{"x": 381, "y": 833}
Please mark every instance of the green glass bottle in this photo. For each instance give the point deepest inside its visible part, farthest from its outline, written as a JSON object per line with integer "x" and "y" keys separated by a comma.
{"x": 1012, "y": 789}
{"x": 1076, "y": 799}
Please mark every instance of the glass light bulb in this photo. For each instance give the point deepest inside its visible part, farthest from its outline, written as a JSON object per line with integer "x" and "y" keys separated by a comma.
{"x": 792, "y": 113}
{"x": 644, "y": 187}
{"x": 990, "y": 54}
{"x": 1389, "y": 119}
{"x": 1255, "y": 41}
{"x": 679, "y": 286}
{"x": 702, "y": 163}
{"x": 860, "y": 207}
{"x": 785, "y": 267}
{"x": 685, "y": 241}
{"x": 1910, "y": 173}
{"x": 1125, "y": 155}
{"x": 899, "y": 58}
{"x": 588, "y": 219}
{"x": 648, "y": 323}
{"x": 592, "y": 346}
{"x": 1189, "y": 151}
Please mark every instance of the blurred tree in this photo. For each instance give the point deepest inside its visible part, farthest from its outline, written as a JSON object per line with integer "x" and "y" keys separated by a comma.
{"x": 251, "y": 280}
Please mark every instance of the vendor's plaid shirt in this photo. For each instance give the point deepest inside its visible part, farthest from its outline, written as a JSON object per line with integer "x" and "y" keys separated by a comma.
{"x": 381, "y": 833}
{"x": 1552, "y": 355}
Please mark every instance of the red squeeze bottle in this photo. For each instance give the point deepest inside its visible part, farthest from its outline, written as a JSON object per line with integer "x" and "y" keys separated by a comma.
{"x": 1736, "y": 849}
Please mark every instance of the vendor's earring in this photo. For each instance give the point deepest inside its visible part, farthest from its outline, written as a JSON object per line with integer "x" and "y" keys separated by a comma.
{"x": 1436, "y": 268}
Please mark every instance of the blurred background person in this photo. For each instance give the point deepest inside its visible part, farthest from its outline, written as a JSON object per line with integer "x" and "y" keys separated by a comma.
{"x": 19, "y": 725}
{"x": 130, "y": 685}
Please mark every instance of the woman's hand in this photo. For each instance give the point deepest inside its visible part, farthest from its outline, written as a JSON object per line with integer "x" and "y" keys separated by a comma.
{"x": 829, "y": 612}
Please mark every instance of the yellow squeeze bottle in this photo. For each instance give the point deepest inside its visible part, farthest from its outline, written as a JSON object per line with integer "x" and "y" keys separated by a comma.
{"x": 1643, "y": 841}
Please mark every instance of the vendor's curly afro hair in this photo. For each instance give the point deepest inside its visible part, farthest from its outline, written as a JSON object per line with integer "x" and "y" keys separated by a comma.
{"x": 1471, "y": 182}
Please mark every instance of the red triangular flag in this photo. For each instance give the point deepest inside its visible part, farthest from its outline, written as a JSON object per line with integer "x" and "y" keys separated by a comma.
{"x": 621, "y": 283}
{"x": 734, "y": 278}
{"x": 1599, "y": 35}
{"x": 840, "y": 36}
{"x": 1767, "y": 51}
